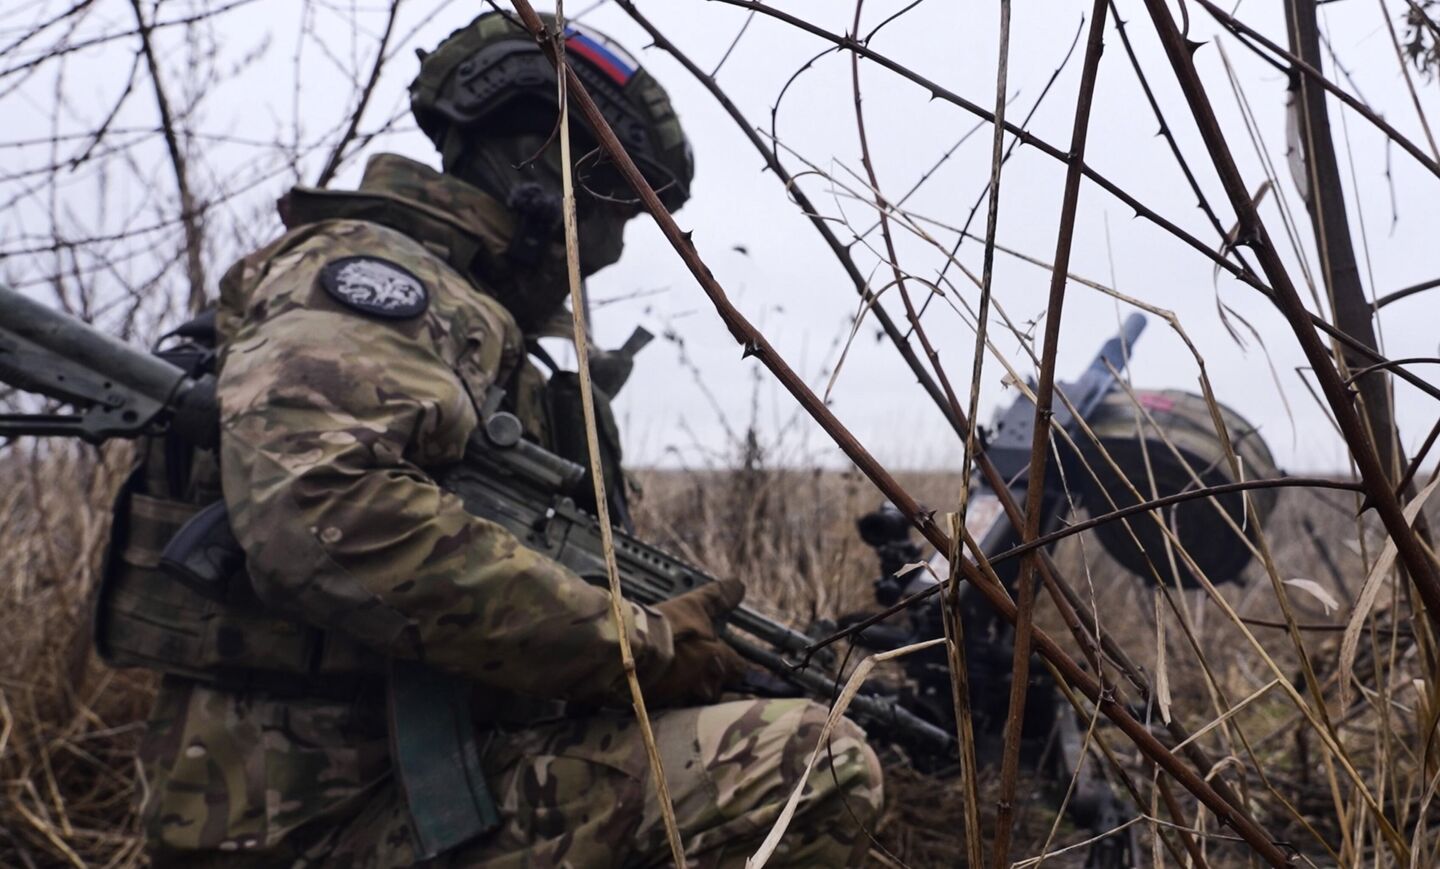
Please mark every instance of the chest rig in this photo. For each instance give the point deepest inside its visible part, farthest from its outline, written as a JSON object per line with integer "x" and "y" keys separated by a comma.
{"x": 152, "y": 613}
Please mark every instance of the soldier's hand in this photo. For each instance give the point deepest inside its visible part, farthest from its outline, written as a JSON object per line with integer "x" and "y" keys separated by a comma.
{"x": 703, "y": 663}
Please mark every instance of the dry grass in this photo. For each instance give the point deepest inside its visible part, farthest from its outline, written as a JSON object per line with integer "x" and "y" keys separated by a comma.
{"x": 790, "y": 535}
{"x": 68, "y": 726}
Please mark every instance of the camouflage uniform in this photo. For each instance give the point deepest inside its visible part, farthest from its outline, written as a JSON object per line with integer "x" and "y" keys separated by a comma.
{"x": 331, "y": 418}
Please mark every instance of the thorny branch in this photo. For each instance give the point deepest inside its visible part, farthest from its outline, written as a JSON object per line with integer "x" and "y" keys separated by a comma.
{"x": 755, "y": 344}
{"x": 1141, "y": 210}
{"x": 1040, "y": 447}
{"x": 842, "y": 253}
{"x": 1237, "y": 26}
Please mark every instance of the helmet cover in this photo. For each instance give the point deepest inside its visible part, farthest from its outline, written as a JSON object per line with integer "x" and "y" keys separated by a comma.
{"x": 490, "y": 78}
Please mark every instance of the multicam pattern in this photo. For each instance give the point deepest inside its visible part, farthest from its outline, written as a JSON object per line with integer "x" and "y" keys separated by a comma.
{"x": 575, "y": 793}
{"x": 330, "y": 419}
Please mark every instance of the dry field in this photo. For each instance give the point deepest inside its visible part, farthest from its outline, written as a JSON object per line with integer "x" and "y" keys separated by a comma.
{"x": 68, "y": 726}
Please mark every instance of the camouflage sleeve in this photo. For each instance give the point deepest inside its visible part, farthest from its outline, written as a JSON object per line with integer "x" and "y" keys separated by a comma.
{"x": 328, "y": 417}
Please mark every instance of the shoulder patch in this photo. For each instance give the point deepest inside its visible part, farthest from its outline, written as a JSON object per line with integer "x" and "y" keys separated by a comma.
{"x": 375, "y": 286}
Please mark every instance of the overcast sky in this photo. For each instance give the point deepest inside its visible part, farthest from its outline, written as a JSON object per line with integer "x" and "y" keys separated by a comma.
{"x": 766, "y": 255}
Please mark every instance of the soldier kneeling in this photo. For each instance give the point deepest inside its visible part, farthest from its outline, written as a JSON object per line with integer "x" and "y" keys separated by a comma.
{"x": 355, "y": 354}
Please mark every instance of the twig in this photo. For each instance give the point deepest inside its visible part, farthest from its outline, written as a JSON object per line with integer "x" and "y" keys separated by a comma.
{"x": 997, "y": 162}
{"x": 337, "y": 154}
{"x": 987, "y": 265}
{"x": 1409, "y": 475}
{"x": 841, "y": 252}
{"x": 734, "y": 42}
{"x": 1390, "y": 363}
{"x": 1236, "y": 26}
{"x": 850, "y": 44}
{"x": 953, "y": 625}
{"x": 1009, "y": 150}
{"x": 191, "y": 212}
{"x": 1168, "y": 134}
{"x": 592, "y": 441}
{"x": 890, "y": 256}
{"x": 1040, "y": 446}
{"x": 1397, "y": 295}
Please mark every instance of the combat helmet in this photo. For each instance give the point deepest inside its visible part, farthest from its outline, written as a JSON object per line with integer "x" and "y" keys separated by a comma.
{"x": 492, "y": 78}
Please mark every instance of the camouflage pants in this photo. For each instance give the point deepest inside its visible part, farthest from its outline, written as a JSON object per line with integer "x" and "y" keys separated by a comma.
{"x": 578, "y": 793}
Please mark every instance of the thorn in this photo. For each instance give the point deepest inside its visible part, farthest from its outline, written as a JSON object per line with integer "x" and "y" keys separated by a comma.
{"x": 687, "y": 235}
{"x": 748, "y": 349}
{"x": 1192, "y": 46}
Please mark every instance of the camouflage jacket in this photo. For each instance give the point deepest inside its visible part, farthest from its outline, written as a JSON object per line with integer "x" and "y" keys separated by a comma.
{"x": 333, "y": 409}
{"x": 330, "y": 417}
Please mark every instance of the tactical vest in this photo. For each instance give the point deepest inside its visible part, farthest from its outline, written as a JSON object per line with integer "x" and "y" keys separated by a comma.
{"x": 146, "y": 616}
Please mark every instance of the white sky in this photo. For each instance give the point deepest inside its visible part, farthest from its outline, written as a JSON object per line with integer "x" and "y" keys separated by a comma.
{"x": 788, "y": 282}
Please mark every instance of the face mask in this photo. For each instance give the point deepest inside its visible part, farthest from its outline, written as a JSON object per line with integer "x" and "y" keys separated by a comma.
{"x": 524, "y": 172}
{"x": 601, "y": 228}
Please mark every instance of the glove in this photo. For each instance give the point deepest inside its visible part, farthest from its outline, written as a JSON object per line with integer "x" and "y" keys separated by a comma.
{"x": 703, "y": 663}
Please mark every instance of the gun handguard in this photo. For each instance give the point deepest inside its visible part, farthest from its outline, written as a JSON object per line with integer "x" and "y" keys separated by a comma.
{"x": 510, "y": 481}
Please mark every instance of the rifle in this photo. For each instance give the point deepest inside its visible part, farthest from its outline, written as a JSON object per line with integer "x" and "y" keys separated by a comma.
{"x": 124, "y": 392}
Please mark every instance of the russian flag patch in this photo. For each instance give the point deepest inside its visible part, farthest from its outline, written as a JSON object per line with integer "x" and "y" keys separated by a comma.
{"x": 594, "y": 51}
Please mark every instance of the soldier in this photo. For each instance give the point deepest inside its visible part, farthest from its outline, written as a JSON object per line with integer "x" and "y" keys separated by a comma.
{"x": 356, "y": 352}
